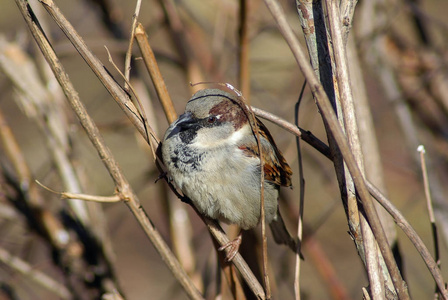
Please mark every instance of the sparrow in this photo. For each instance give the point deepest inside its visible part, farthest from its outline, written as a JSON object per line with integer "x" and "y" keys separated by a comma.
{"x": 211, "y": 155}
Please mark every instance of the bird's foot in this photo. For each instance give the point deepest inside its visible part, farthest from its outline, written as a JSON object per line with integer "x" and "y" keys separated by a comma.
{"x": 233, "y": 247}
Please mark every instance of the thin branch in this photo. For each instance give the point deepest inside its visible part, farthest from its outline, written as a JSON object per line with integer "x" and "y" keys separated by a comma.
{"x": 301, "y": 199}
{"x": 93, "y": 198}
{"x": 141, "y": 110}
{"x": 127, "y": 62}
{"x": 422, "y": 151}
{"x": 372, "y": 263}
{"x": 154, "y": 72}
{"x": 432, "y": 219}
{"x": 85, "y": 197}
{"x": 347, "y": 10}
{"x": 244, "y": 50}
{"x": 343, "y": 79}
{"x": 255, "y": 129}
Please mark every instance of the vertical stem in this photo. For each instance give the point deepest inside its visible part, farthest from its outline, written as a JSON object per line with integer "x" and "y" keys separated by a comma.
{"x": 127, "y": 62}
{"x": 154, "y": 72}
{"x": 432, "y": 219}
{"x": 243, "y": 51}
{"x": 301, "y": 200}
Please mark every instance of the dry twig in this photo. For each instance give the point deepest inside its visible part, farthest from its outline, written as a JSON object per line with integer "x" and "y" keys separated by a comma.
{"x": 432, "y": 220}
{"x": 127, "y": 63}
{"x": 243, "y": 51}
{"x": 154, "y": 71}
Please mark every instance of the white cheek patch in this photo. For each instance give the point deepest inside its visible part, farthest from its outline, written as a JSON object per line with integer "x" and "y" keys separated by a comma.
{"x": 207, "y": 138}
{"x": 236, "y": 136}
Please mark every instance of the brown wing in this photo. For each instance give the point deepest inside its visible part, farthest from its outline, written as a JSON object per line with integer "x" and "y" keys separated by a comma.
{"x": 276, "y": 169}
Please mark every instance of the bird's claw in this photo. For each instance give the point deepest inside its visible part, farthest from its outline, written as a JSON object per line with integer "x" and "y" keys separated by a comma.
{"x": 233, "y": 247}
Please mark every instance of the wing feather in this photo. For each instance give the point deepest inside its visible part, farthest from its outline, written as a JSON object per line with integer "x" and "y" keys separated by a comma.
{"x": 276, "y": 169}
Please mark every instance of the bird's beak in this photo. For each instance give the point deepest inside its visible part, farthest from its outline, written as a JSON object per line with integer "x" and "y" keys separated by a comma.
{"x": 185, "y": 121}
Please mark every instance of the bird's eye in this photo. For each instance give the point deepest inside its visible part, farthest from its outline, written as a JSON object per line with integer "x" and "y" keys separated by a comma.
{"x": 212, "y": 119}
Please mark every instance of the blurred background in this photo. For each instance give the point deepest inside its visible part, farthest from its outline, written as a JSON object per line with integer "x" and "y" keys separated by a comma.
{"x": 401, "y": 48}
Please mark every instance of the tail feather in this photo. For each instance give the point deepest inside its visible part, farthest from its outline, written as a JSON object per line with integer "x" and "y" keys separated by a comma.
{"x": 282, "y": 236}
